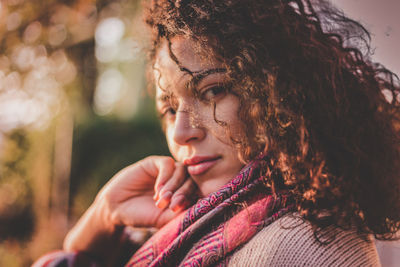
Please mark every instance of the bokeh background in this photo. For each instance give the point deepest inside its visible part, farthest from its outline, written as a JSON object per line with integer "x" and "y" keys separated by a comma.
{"x": 74, "y": 109}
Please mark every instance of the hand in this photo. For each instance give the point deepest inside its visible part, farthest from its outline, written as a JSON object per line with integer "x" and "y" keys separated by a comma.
{"x": 138, "y": 196}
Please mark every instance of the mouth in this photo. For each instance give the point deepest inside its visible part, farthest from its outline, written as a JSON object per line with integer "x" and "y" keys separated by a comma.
{"x": 200, "y": 164}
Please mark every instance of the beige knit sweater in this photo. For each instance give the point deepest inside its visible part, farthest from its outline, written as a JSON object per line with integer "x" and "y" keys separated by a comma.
{"x": 290, "y": 241}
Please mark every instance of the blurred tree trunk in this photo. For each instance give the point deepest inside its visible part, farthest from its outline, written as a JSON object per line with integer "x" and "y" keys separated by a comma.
{"x": 61, "y": 170}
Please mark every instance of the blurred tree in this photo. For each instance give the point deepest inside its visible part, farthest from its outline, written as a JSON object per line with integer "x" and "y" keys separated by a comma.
{"x": 105, "y": 146}
{"x": 16, "y": 211}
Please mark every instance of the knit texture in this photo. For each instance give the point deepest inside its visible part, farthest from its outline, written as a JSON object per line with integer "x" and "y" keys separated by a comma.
{"x": 290, "y": 241}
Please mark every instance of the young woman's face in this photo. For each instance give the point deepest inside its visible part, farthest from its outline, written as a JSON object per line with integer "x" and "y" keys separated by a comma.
{"x": 193, "y": 134}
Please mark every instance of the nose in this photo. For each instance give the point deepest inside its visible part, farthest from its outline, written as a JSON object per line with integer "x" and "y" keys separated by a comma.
{"x": 187, "y": 129}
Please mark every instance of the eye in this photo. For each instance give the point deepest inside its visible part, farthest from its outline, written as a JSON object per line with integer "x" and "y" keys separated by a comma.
{"x": 167, "y": 112}
{"x": 213, "y": 93}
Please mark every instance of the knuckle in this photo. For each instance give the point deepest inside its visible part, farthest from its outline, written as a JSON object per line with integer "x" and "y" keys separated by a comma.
{"x": 168, "y": 160}
{"x": 115, "y": 217}
{"x": 179, "y": 164}
{"x": 108, "y": 199}
{"x": 168, "y": 187}
{"x": 151, "y": 158}
{"x": 110, "y": 207}
{"x": 179, "y": 193}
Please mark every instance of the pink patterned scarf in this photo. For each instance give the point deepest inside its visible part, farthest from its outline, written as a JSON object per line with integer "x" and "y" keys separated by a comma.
{"x": 209, "y": 232}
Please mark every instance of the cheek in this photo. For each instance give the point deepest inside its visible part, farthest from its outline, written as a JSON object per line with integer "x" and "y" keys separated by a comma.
{"x": 227, "y": 112}
{"x": 229, "y": 108}
{"x": 173, "y": 147}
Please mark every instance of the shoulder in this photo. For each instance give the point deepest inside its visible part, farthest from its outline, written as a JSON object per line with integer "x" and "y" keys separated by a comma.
{"x": 290, "y": 241}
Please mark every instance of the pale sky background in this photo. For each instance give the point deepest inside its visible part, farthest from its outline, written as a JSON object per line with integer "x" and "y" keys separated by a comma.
{"x": 382, "y": 19}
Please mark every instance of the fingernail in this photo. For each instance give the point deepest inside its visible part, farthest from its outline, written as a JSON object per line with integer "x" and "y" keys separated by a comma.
{"x": 177, "y": 203}
{"x": 164, "y": 200}
{"x": 162, "y": 203}
{"x": 157, "y": 193}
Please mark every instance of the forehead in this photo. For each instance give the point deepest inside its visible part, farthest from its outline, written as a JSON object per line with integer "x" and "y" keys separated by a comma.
{"x": 172, "y": 75}
{"x": 188, "y": 53}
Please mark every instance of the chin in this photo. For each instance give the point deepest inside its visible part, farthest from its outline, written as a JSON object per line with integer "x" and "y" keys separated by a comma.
{"x": 212, "y": 185}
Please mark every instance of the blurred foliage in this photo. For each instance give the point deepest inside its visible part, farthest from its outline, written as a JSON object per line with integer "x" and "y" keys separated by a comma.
{"x": 73, "y": 112}
{"x": 103, "y": 147}
{"x": 16, "y": 213}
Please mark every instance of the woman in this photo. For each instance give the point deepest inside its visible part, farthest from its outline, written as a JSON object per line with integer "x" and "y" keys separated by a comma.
{"x": 277, "y": 123}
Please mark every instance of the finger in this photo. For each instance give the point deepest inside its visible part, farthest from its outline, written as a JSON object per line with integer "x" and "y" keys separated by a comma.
{"x": 139, "y": 212}
{"x": 166, "y": 168}
{"x": 164, "y": 199}
{"x": 184, "y": 196}
{"x": 174, "y": 182}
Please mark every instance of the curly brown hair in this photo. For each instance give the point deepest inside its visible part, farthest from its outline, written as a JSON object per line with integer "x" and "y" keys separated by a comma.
{"x": 311, "y": 100}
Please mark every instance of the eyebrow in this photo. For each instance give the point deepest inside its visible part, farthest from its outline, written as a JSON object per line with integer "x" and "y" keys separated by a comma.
{"x": 197, "y": 77}
{"x": 200, "y": 75}
{"x": 165, "y": 97}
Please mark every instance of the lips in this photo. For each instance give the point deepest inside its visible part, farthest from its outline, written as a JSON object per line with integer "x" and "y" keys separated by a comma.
{"x": 200, "y": 164}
